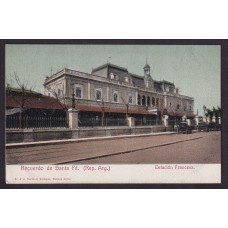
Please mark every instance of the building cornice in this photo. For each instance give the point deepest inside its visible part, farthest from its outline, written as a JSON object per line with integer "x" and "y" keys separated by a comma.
{"x": 86, "y": 76}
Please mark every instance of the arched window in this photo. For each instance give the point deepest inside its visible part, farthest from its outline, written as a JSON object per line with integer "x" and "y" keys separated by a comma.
{"x": 143, "y": 100}
{"x": 115, "y": 96}
{"x": 153, "y": 101}
{"x": 157, "y": 102}
{"x": 139, "y": 100}
{"x": 130, "y": 99}
{"x": 148, "y": 101}
{"x": 98, "y": 94}
{"x": 59, "y": 92}
{"x": 78, "y": 91}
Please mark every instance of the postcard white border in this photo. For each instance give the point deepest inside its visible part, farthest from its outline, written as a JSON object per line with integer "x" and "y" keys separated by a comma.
{"x": 98, "y": 174}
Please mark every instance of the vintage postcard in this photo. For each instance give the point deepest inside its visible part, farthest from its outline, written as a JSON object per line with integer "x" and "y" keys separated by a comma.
{"x": 112, "y": 113}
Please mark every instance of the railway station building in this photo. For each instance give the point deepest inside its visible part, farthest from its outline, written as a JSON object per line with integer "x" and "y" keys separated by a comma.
{"x": 113, "y": 92}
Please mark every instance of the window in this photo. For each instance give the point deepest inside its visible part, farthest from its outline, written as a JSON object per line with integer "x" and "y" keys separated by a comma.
{"x": 178, "y": 106}
{"x": 98, "y": 94}
{"x": 113, "y": 76}
{"x": 115, "y": 96}
{"x": 143, "y": 100}
{"x": 153, "y": 101}
{"x": 139, "y": 100}
{"x": 59, "y": 92}
{"x": 184, "y": 108}
{"x": 148, "y": 101}
{"x": 190, "y": 107}
{"x": 130, "y": 101}
{"x": 78, "y": 91}
{"x": 157, "y": 101}
{"x": 162, "y": 103}
{"x": 147, "y": 83}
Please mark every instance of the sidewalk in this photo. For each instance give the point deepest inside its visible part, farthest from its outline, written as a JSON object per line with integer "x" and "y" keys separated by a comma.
{"x": 78, "y": 140}
{"x": 86, "y": 149}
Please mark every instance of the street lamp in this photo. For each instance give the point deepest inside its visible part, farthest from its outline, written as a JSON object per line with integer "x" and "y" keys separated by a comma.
{"x": 175, "y": 116}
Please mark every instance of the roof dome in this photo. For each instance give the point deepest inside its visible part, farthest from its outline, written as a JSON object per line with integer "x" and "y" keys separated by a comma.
{"x": 146, "y": 66}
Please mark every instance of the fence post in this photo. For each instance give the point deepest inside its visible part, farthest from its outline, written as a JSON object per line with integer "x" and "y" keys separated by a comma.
{"x": 73, "y": 118}
{"x": 219, "y": 120}
{"x": 166, "y": 120}
{"x": 214, "y": 119}
{"x": 130, "y": 121}
{"x": 196, "y": 120}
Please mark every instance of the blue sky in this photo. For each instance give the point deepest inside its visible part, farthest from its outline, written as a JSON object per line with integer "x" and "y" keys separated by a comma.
{"x": 195, "y": 69}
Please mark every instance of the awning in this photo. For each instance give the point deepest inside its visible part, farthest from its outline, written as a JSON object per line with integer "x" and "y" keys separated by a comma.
{"x": 13, "y": 111}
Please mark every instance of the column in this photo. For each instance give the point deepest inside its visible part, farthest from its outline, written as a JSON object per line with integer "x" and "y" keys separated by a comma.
{"x": 136, "y": 98}
{"x": 88, "y": 91}
{"x": 108, "y": 93}
{"x": 165, "y": 101}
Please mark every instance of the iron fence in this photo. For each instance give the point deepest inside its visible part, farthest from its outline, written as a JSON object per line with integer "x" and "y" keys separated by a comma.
{"x": 17, "y": 122}
{"x": 92, "y": 122}
{"x": 146, "y": 122}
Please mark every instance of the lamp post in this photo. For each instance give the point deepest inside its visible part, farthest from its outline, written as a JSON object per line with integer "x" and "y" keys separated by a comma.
{"x": 73, "y": 97}
{"x": 73, "y": 114}
{"x": 175, "y": 116}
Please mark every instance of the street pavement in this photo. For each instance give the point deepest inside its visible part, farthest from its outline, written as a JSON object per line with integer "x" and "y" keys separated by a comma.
{"x": 200, "y": 147}
{"x": 198, "y": 151}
